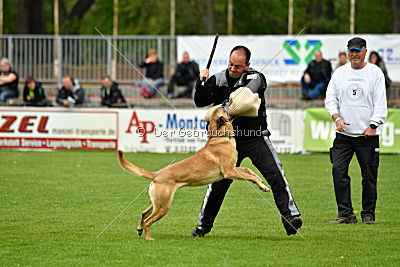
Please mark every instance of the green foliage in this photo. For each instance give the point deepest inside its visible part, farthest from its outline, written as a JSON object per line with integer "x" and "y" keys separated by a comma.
{"x": 260, "y": 17}
{"x": 10, "y": 8}
{"x": 373, "y": 16}
{"x": 54, "y": 204}
{"x": 318, "y": 17}
{"x": 152, "y": 17}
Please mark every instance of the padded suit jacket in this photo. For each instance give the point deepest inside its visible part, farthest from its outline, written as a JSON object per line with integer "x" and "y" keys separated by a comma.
{"x": 217, "y": 89}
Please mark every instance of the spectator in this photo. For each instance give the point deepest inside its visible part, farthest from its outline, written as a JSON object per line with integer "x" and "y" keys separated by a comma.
{"x": 186, "y": 74}
{"x": 316, "y": 77}
{"x": 154, "y": 75}
{"x": 110, "y": 93}
{"x": 71, "y": 93}
{"x": 376, "y": 59}
{"x": 8, "y": 81}
{"x": 356, "y": 101}
{"x": 33, "y": 94}
{"x": 342, "y": 59}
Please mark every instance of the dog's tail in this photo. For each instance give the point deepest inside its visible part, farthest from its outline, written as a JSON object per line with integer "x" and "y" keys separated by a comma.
{"x": 134, "y": 169}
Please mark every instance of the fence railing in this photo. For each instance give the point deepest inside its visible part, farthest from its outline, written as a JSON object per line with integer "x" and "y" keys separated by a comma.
{"x": 47, "y": 58}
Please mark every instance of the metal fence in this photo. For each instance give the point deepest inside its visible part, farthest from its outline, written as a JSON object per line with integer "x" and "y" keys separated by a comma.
{"x": 47, "y": 58}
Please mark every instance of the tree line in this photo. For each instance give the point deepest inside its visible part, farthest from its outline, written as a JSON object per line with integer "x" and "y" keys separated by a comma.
{"x": 198, "y": 17}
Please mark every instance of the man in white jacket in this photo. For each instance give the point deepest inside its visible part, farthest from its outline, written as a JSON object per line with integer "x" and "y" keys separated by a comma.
{"x": 356, "y": 101}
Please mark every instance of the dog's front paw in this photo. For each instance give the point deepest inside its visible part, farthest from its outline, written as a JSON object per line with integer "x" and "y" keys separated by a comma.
{"x": 264, "y": 188}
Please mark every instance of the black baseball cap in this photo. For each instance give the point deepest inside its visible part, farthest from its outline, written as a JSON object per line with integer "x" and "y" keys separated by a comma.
{"x": 356, "y": 43}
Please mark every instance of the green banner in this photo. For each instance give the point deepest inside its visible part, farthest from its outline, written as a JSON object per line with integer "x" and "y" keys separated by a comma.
{"x": 320, "y": 131}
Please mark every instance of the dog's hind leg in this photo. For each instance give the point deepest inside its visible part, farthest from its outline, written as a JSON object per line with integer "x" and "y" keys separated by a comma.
{"x": 145, "y": 214}
{"x": 161, "y": 198}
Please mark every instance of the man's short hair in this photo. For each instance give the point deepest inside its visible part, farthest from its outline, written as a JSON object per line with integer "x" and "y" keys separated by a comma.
{"x": 106, "y": 77}
{"x": 67, "y": 76}
{"x": 246, "y": 52}
{"x": 152, "y": 52}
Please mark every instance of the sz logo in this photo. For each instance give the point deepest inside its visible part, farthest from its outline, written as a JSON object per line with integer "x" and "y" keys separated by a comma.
{"x": 293, "y": 49}
{"x": 143, "y": 128}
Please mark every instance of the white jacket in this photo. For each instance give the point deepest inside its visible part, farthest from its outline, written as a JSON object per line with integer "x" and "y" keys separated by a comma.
{"x": 358, "y": 96}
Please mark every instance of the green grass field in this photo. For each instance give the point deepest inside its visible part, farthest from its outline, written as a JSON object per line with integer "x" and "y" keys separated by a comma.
{"x": 54, "y": 204}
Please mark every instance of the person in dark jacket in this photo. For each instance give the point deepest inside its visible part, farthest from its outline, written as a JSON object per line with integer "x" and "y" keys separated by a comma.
{"x": 71, "y": 93}
{"x": 376, "y": 59}
{"x": 186, "y": 75}
{"x": 33, "y": 94}
{"x": 154, "y": 75}
{"x": 252, "y": 140}
{"x": 8, "y": 81}
{"x": 110, "y": 93}
{"x": 316, "y": 77}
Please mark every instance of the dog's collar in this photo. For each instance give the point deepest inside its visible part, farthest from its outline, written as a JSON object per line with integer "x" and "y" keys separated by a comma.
{"x": 226, "y": 135}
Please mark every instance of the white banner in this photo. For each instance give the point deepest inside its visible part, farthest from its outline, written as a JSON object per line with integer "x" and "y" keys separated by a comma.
{"x": 285, "y": 60}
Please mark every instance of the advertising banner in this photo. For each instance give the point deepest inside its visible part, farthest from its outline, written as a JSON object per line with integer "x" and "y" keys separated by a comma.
{"x": 130, "y": 130}
{"x": 36, "y": 128}
{"x": 284, "y": 58}
{"x": 320, "y": 131}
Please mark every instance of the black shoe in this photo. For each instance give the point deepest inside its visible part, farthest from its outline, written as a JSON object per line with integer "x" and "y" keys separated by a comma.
{"x": 291, "y": 225}
{"x": 200, "y": 231}
{"x": 346, "y": 220}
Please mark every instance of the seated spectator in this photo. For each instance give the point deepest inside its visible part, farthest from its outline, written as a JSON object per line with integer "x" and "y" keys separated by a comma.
{"x": 342, "y": 59}
{"x": 186, "y": 75}
{"x": 110, "y": 93}
{"x": 376, "y": 59}
{"x": 33, "y": 94}
{"x": 154, "y": 75}
{"x": 8, "y": 81}
{"x": 316, "y": 77}
{"x": 71, "y": 93}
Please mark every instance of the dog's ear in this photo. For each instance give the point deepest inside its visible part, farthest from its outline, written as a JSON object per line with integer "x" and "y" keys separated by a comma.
{"x": 220, "y": 121}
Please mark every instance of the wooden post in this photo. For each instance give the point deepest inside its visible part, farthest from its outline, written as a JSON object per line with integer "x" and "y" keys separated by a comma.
{"x": 172, "y": 32}
{"x": 352, "y": 15}
{"x": 56, "y": 41}
{"x": 290, "y": 17}
{"x": 230, "y": 18}
{"x": 115, "y": 35}
{"x": 1, "y": 17}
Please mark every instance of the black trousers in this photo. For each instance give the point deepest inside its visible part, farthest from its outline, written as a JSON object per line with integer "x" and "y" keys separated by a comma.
{"x": 367, "y": 153}
{"x": 265, "y": 159}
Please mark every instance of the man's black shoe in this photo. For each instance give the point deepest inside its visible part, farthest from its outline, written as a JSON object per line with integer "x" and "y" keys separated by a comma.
{"x": 200, "y": 231}
{"x": 292, "y": 224}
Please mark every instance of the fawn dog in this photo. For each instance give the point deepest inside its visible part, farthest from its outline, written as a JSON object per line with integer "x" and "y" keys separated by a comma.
{"x": 214, "y": 162}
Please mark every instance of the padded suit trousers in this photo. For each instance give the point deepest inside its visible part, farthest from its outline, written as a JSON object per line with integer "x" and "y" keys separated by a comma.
{"x": 264, "y": 157}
